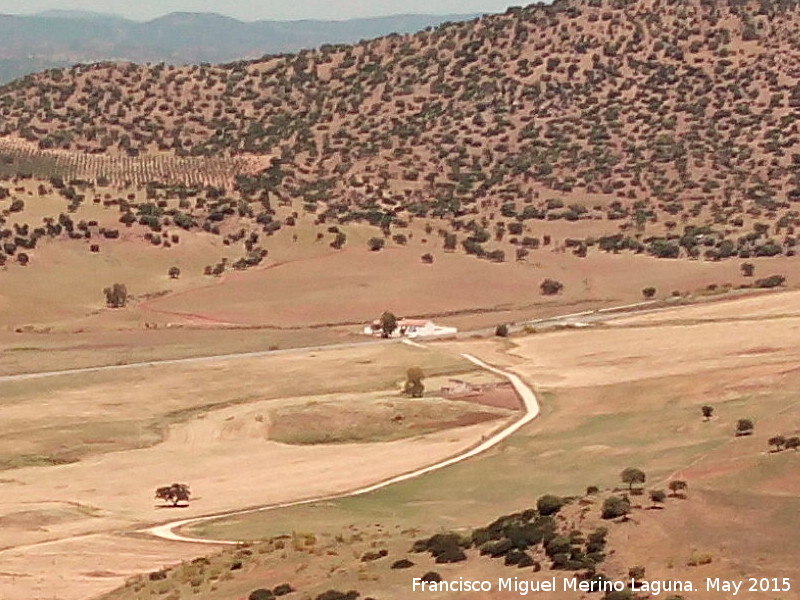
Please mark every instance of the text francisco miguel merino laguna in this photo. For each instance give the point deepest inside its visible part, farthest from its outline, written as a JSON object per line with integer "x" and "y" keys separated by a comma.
{"x": 524, "y": 587}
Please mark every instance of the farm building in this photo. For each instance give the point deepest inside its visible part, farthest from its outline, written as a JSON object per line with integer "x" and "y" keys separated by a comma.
{"x": 413, "y": 328}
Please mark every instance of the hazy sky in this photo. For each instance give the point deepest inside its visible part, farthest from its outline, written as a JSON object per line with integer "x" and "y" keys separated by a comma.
{"x": 266, "y": 9}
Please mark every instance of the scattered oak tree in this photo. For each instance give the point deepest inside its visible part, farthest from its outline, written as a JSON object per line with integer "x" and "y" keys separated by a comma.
{"x": 744, "y": 427}
{"x": 633, "y": 476}
{"x": 388, "y": 324}
{"x": 175, "y": 493}
{"x": 657, "y": 497}
{"x": 414, "y": 386}
{"x": 116, "y": 295}
{"x": 778, "y": 441}
{"x": 678, "y": 487}
{"x": 551, "y": 287}
{"x": 375, "y": 244}
{"x": 708, "y": 412}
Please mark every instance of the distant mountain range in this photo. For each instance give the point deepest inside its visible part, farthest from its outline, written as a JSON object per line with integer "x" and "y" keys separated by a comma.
{"x": 58, "y": 38}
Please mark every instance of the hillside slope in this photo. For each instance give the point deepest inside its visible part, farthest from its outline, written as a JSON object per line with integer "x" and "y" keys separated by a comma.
{"x": 674, "y": 100}
{"x": 666, "y": 129}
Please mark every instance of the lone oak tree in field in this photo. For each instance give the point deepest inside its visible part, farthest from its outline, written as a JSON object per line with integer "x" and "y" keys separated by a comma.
{"x": 551, "y": 287}
{"x": 116, "y": 295}
{"x": 744, "y": 427}
{"x": 632, "y": 476}
{"x": 678, "y": 485}
{"x": 175, "y": 493}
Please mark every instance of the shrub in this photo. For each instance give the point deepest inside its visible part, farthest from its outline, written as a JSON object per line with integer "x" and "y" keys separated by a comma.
{"x": 372, "y": 556}
{"x": 403, "y": 563}
{"x": 261, "y": 594}
{"x": 649, "y": 293}
{"x": 501, "y": 330}
{"x": 591, "y": 490}
{"x": 615, "y": 506}
{"x": 334, "y": 595}
{"x": 560, "y": 544}
{"x": 427, "y": 258}
{"x": 519, "y": 558}
{"x": 157, "y": 576}
{"x": 549, "y": 504}
{"x": 496, "y": 548}
{"x": 619, "y": 595}
{"x": 340, "y": 240}
{"x": 375, "y": 244}
{"x": 451, "y": 555}
{"x": 551, "y": 287}
{"x": 772, "y": 281}
{"x": 431, "y": 577}
{"x": 283, "y": 589}
{"x": 696, "y": 560}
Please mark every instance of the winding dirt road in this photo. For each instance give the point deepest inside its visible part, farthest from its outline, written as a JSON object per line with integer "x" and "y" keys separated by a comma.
{"x": 168, "y": 531}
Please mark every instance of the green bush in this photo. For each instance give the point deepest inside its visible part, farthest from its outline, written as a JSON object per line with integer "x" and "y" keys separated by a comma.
{"x": 772, "y": 281}
{"x": 283, "y": 589}
{"x": 551, "y": 287}
{"x": 261, "y": 594}
{"x": 615, "y": 506}
{"x": 496, "y": 548}
{"x": 335, "y": 595}
{"x": 549, "y": 504}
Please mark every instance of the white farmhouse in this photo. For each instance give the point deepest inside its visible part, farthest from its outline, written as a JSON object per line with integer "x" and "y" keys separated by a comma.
{"x": 413, "y": 328}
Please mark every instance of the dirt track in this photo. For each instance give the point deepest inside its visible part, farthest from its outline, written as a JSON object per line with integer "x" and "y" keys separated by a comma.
{"x": 531, "y": 411}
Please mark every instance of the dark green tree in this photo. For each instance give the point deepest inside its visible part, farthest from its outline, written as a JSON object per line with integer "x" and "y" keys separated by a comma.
{"x": 615, "y": 506}
{"x": 744, "y": 427}
{"x": 388, "y": 324}
{"x": 116, "y": 295}
{"x": 633, "y": 476}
